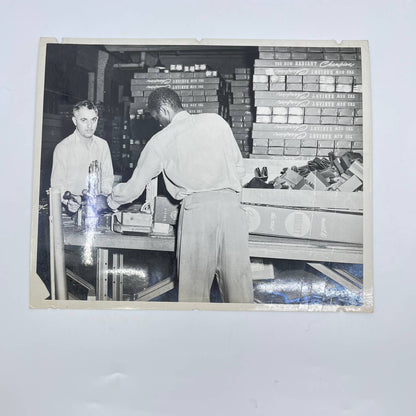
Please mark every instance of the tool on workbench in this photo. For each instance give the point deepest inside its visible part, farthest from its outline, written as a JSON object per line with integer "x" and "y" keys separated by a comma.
{"x": 87, "y": 216}
{"x": 137, "y": 219}
{"x": 73, "y": 202}
{"x": 69, "y": 197}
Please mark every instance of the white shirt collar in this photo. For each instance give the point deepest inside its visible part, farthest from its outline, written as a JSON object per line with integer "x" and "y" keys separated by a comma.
{"x": 180, "y": 116}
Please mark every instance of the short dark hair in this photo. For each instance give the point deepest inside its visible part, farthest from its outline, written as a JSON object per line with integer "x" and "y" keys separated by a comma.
{"x": 162, "y": 96}
{"x": 84, "y": 103}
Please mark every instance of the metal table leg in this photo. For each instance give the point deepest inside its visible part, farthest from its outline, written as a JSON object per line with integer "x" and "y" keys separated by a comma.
{"x": 343, "y": 278}
{"x": 102, "y": 274}
{"x": 59, "y": 286}
{"x": 118, "y": 264}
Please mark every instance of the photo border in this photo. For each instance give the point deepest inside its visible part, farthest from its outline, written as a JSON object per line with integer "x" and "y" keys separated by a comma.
{"x": 368, "y": 268}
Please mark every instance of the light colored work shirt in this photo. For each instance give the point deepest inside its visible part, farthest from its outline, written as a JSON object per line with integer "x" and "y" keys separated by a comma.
{"x": 196, "y": 153}
{"x": 71, "y": 160}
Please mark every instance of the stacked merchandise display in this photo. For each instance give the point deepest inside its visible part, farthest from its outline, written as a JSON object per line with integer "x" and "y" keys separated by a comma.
{"x": 116, "y": 144}
{"x": 241, "y": 108}
{"x": 201, "y": 90}
{"x": 126, "y": 144}
{"x": 308, "y": 101}
{"x": 227, "y": 94}
{"x": 113, "y": 128}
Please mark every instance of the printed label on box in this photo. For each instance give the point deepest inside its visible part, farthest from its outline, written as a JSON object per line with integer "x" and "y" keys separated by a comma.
{"x": 254, "y": 219}
{"x": 297, "y": 224}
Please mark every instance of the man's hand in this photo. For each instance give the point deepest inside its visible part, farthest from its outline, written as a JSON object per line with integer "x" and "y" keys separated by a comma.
{"x": 73, "y": 206}
{"x": 101, "y": 205}
{"x": 74, "y": 202}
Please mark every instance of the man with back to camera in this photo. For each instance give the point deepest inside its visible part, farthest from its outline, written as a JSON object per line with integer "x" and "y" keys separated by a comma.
{"x": 202, "y": 166}
{"x": 74, "y": 154}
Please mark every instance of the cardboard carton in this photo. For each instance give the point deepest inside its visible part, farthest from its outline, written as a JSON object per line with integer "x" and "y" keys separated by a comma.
{"x": 276, "y": 151}
{"x": 343, "y": 88}
{"x": 294, "y": 87}
{"x": 282, "y": 55}
{"x": 277, "y": 79}
{"x": 292, "y": 151}
{"x": 295, "y": 119}
{"x": 277, "y": 86}
{"x": 165, "y": 211}
{"x": 317, "y": 182}
{"x": 280, "y": 111}
{"x": 329, "y": 112}
{"x": 310, "y": 87}
{"x": 296, "y": 111}
{"x": 312, "y": 119}
{"x": 305, "y": 224}
{"x": 308, "y": 151}
{"x": 327, "y": 87}
{"x": 356, "y": 169}
{"x": 351, "y": 185}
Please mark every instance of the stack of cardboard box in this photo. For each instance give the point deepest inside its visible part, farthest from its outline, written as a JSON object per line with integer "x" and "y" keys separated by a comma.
{"x": 241, "y": 108}
{"x": 126, "y": 146}
{"x": 351, "y": 175}
{"x": 200, "y": 90}
{"x": 308, "y": 101}
{"x": 241, "y": 86}
{"x": 291, "y": 210}
{"x": 116, "y": 142}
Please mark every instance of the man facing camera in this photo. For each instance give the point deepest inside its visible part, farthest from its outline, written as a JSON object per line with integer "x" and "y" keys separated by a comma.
{"x": 74, "y": 155}
{"x": 202, "y": 167}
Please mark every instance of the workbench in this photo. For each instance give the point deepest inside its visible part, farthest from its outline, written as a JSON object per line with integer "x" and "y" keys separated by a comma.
{"x": 313, "y": 252}
{"x": 109, "y": 244}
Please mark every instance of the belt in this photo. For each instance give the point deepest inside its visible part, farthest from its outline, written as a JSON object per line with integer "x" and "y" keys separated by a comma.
{"x": 209, "y": 196}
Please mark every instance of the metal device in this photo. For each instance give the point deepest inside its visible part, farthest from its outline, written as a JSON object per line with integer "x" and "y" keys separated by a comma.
{"x": 87, "y": 217}
{"x": 137, "y": 219}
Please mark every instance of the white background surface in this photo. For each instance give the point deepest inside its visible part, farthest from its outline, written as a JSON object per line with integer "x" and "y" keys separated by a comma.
{"x": 59, "y": 362}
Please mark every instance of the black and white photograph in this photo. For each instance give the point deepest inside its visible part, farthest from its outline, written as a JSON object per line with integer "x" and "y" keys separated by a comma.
{"x": 208, "y": 208}
{"x": 213, "y": 175}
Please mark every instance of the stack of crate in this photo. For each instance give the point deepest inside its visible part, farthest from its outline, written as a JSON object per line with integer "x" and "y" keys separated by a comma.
{"x": 228, "y": 98}
{"x": 201, "y": 91}
{"x": 308, "y": 101}
{"x": 241, "y": 86}
{"x": 126, "y": 147}
{"x": 116, "y": 143}
{"x": 120, "y": 145}
{"x": 241, "y": 108}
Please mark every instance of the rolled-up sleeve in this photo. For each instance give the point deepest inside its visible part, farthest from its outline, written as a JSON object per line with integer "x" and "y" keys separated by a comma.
{"x": 148, "y": 167}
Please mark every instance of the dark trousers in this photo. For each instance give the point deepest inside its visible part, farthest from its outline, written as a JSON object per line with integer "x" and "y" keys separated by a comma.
{"x": 213, "y": 241}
